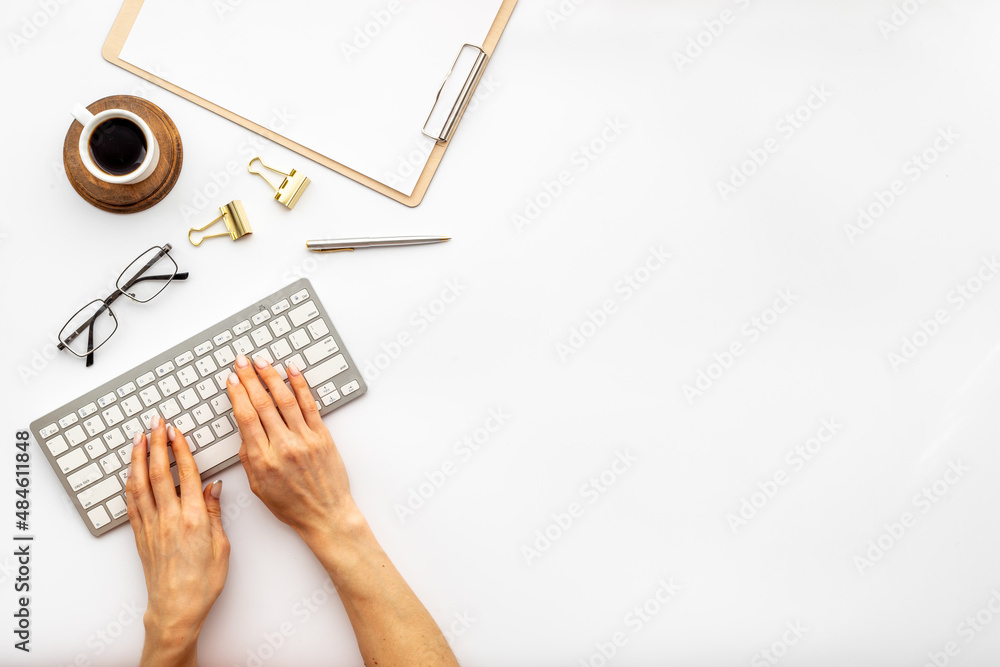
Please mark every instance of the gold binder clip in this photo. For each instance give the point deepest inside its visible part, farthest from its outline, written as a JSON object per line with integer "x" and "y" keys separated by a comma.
{"x": 291, "y": 187}
{"x": 236, "y": 221}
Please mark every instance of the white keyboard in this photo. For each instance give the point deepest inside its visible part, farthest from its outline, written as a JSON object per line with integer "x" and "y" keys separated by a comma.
{"x": 88, "y": 441}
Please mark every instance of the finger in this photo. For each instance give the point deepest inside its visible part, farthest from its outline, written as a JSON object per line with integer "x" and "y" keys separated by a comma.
{"x": 187, "y": 469}
{"x": 251, "y": 430}
{"x": 137, "y": 487}
{"x": 268, "y": 415}
{"x": 212, "y": 495}
{"x": 307, "y": 404}
{"x": 288, "y": 404}
{"x": 159, "y": 466}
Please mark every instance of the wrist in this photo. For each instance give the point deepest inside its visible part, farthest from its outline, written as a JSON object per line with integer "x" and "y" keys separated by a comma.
{"x": 169, "y": 641}
{"x": 340, "y": 541}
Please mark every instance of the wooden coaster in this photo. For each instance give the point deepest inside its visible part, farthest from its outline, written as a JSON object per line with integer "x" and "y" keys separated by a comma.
{"x": 139, "y": 196}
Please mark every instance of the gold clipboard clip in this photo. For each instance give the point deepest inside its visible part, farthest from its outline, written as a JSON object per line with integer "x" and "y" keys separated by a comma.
{"x": 291, "y": 187}
{"x": 235, "y": 218}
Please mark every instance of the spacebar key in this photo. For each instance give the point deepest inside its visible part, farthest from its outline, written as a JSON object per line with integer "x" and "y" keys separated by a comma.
{"x": 218, "y": 451}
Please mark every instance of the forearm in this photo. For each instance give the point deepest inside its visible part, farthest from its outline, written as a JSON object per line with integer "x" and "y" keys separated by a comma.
{"x": 391, "y": 625}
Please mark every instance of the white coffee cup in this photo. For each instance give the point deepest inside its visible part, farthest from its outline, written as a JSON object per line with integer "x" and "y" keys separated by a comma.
{"x": 91, "y": 122}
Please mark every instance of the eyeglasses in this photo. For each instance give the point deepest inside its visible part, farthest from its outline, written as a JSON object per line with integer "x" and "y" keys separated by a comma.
{"x": 148, "y": 275}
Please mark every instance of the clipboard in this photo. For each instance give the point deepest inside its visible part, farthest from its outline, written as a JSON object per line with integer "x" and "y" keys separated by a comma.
{"x": 448, "y": 110}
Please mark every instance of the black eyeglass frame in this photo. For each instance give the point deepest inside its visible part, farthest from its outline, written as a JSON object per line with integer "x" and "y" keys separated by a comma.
{"x": 88, "y": 325}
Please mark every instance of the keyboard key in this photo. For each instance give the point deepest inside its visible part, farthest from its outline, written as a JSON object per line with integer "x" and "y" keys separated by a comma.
{"x": 123, "y": 475}
{"x": 149, "y": 396}
{"x": 169, "y": 386}
{"x": 243, "y": 346}
{"x": 203, "y": 437}
{"x": 225, "y": 355}
{"x": 107, "y": 399}
{"x": 299, "y": 339}
{"x": 82, "y": 478}
{"x": 280, "y": 307}
{"x": 131, "y": 427}
{"x": 99, "y": 492}
{"x": 75, "y": 436}
{"x": 145, "y": 379}
{"x": 280, "y": 326}
{"x": 326, "y": 370}
{"x": 224, "y": 449}
{"x": 113, "y": 416}
{"x": 207, "y": 388}
{"x": 203, "y": 348}
{"x": 330, "y": 399}
{"x": 321, "y": 350}
{"x": 266, "y": 354}
{"x": 117, "y": 506}
{"x": 110, "y": 463}
{"x": 87, "y": 410}
{"x": 189, "y": 399}
{"x": 281, "y": 349}
{"x": 125, "y": 454}
{"x": 299, "y": 297}
{"x": 95, "y": 448}
{"x": 99, "y": 517}
{"x": 68, "y": 420}
{"x": 261, "y": 336}
{"x": 303, "y": 313}
{"x": 164, "y": 369}
{"x": 72, "y": 461}
{"x": 203, "y": 413}
{"x": 126, "y": 389}
{"x": 114, "y": 438}
{"x": 206, "y": 366}
{"x": 350, "y": 387}
{"x": 242, "y": 327}
{"x": 147, "y": 418}
{"x": 57, "y": 445}
{"x": 221, "y": 404}
{"x": 169, "y": 409}
{"x": 222, "y": 426}
{"x": 222, "y": 376}
{"x": 299, "y": 362}
{"x": 184, "y": 424}
{"x": 131, "y": 406}
{"x": 260, "y": 317}
{"x": 318, "y": 329}
{"x": 51, "y": 429}
{"x": 187, "y": 376}
{"x": 222, "y": 338}
{"x": 184, "y": 358}
{"x": 282, "y": 373}
{"x": 94, "y": 425}
{"x": 328, "y": 388}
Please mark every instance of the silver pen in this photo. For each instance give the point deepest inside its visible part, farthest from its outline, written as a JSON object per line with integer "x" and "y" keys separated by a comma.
{"x": 335, "y": 245}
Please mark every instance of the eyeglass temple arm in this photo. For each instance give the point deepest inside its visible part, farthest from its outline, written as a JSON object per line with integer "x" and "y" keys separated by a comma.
{"x": 90, "y": 344}
{"x": 163, "y": 251}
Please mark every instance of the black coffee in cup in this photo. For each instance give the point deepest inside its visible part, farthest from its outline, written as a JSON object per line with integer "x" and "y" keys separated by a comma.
{"x": 118, "y": 146}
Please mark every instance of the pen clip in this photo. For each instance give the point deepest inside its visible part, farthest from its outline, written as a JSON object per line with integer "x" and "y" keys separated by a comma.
{"x": 308, "y": 247}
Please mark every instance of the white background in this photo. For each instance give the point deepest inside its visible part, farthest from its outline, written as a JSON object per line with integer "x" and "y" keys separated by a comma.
{"x": 551, "y": 88}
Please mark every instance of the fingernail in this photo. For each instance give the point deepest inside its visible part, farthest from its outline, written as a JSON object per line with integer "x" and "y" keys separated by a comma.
{"x": 241, "y": 361}
{"x": 261, "y": 362}
{"x": 234, "y": 379}
{"x": 292, "y": 369}
{"x": 154, "y": 423}
{"x": 171, "y": 434}
{"x": 136, "y": 437}
{"x": 216, "y": 490}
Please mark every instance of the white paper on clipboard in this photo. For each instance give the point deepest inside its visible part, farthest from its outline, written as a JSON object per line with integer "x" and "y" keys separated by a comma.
{"x": 361, "y": 76}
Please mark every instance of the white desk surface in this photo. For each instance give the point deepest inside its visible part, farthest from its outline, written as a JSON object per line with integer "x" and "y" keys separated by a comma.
{"x": 875, "y": 550}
